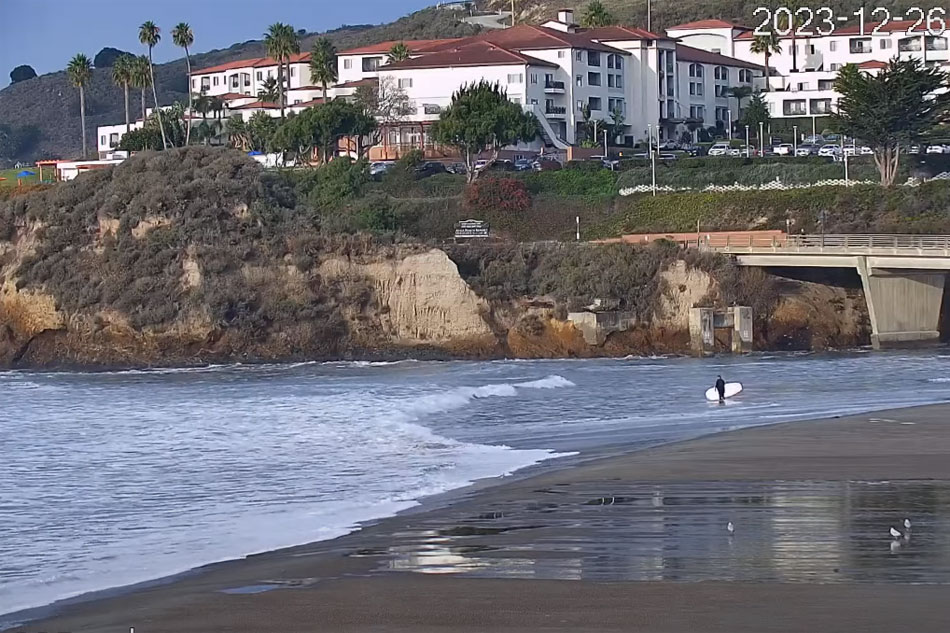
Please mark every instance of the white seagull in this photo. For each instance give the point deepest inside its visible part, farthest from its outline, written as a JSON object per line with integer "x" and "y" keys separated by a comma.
{"x": 731, "y": 528}
{"x": 895, "y": 533}
{"x": 906, "y": 524}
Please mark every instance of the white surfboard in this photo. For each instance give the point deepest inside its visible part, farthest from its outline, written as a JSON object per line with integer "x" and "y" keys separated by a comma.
{"x": 732, "y": 389}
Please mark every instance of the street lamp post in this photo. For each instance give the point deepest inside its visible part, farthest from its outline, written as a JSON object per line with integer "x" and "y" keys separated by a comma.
{"x": 729, "y": 119}
{"x": 747, "y": 141}
{"x": 844, "y": 156}
{"x": 652, "y": 155}
{"x": 761, "y": 140}
{"x": 814, "y": 130}
{"x": 606, "y": 156}
{"x": 795, "y": 142}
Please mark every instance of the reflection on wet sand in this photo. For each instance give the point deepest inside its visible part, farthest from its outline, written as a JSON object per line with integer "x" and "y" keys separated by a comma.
{"x": 793, "y": 531}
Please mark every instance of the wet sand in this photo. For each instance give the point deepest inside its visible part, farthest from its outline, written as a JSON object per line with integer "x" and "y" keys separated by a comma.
{"x": 630, "y": 543}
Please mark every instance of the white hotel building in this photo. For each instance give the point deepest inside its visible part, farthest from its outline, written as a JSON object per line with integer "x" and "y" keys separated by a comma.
{"x": 802, "y": 75}
{"x": 555, "y": 70}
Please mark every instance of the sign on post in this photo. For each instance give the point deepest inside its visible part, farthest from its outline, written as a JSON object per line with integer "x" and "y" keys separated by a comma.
{"x": 467, "y": 229}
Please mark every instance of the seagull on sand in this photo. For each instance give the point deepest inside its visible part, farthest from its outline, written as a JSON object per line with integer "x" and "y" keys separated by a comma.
{"x": 731, "y": 528}
{"x": 895, "y": 533}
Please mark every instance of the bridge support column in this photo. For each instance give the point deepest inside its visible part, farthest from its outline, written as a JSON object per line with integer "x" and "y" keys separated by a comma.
{"x": 702, "y": 331}
{"x": 904, "y": 306}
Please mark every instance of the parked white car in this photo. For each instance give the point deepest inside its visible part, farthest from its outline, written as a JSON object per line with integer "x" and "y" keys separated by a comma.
{"x": 938, "y": 149}
{"x": 785, "y": 149}
{"x": 829, "y": 150}
{"x": 719, "y": 149}
{"x": 746, "y": 151}
{"x": 380, "y": 168}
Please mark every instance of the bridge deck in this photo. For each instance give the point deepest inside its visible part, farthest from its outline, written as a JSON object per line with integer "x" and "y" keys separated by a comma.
{"x": 833, "y": 245}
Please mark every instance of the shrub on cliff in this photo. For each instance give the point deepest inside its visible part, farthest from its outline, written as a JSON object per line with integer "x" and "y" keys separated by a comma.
{"x": 505, "y": 195}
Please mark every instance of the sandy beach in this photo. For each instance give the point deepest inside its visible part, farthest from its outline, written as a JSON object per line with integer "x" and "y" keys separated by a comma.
{"x": 636, "y": 542}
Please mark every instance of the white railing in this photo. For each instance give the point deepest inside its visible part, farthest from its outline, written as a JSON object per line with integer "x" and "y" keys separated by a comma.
{"x": 933, "y": 245}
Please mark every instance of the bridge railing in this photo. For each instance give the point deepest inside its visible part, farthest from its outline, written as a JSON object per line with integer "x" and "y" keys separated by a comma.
{"x": 844, "y": 243}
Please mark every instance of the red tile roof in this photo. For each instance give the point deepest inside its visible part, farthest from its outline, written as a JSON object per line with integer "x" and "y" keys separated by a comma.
{"x": 897, "y": 26}
{"x": 620, "y": 33}
{"x": 526, "y": 37}
{"x": 474, "y": 53}
{"x": 307, "y": 104}
{"x": 258, "y": 105}
{"x": 416, "y": 46}
{"x": 700, "y": 25}
{"x": 369, "y": 81}
{"x": 254, "y": 62}
{"x": 232, "y": 96}
{"x": 872, "y": 65}
{"x": 305, "y": 88}
{"x": 686, "y": 53}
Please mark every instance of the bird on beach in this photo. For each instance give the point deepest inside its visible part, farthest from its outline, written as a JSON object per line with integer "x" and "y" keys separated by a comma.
{"x": 730, "y": 528}
{"x": 895, "y": 533}
{"x": 907, "y": 524}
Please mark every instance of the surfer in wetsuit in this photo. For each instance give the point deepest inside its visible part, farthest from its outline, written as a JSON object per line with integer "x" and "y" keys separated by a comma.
{"x": 721, "y": 388}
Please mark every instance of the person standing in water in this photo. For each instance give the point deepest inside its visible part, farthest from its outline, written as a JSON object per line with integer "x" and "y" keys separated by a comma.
{"x": 721, "y": 388}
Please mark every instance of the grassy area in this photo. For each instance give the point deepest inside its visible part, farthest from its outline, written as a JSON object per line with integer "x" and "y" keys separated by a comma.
{"x": 8, "y": 178}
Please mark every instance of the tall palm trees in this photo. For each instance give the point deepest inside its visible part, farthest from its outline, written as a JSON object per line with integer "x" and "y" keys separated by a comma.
{"x": 141, "y": 78}
{"x": 184, "y": 37}
{"x": 766, "y": 45}
{"x": 122, "y": 71}
{"x": 281, "y": 42}
{"x": 80, "y": 72}
{"x": 150, "y": 35}
{"x": 323, "y": 68}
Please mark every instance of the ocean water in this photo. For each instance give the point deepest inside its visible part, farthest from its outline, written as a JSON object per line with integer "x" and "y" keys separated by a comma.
{"x": 108, "y": 479}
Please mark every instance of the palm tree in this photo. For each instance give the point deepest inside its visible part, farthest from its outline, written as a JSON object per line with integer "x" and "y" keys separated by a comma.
{"x": 766, "y": 45}
{"x": 740, "y": 93}
{"x": 80, "y": 72}
{"x": 269, "y": 91}
{"x": 293, "y": 46}
{"x": 280, "y": 46}
{"x": 596, "y": 15}
{"x": 323, "y": 68}
{"x": 184, "y": 37}
{"x": 217, "y": 106}
{"x": 399, "y": 52}
{"x": 202, "y": 105}
{"x": 122, "y": 71}
{"x": 141, "y": 78}
{"x": 151, "y": 35}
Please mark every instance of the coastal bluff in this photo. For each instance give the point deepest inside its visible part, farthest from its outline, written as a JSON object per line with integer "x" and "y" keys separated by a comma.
{"x": 198, "y": 256}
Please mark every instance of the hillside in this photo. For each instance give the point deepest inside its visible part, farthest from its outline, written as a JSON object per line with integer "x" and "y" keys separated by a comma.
{"x": 51, "y": 103}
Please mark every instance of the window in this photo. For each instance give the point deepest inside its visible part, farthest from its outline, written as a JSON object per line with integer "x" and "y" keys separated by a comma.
{"x": 834, "y": 67}
{"x": 405, "y": 82}
{"x": 270, "y": 74}
{"x": 610, "y": 81}
{"x": 821, "y": 106}
{"x": 619, "y": 81}
{"x": 610, "y": 61}
{"x": 371, "y": 64}
{"x": 745, "y": 76}
{"x": 580, "y": 80}
{"x": 811, "y": 49}
{"x": 516, "y": 100}
{"x": 696, "y": 88}
{"x": 580, "y": 106}
{"x": 296, "y": 101}
{"x": 194, "y": 84}
{"x": 860, "y": 45}
{"x": 722, "y": 114}
{"x": 832, "y": 46}
{"x": 561, "y": 54}
{"x": 260, "y": 76}
{"x": 113, "y": 139}
{"x": 247, "y": 79}
{"x": 722, "y": 73}
{"x": 793, "y": 107}
{"x": 722, "y": 91}
{"x": 593, "y": 79}
{"x": 534, "y": 78}
{"x": 885, "y": 43}
{"x": 216, "y": 81}
{"x": 347, "y": 64}
{"x": 826, "y": 84}
{"x": 595, "y": 103}
{"x": 293, "y": 71}
{"x": 516, "y": 78}
{"x": 235, "y": 81}
{"x": 616, "y": 105}
{"x": 205, "y": 83}
{"x": 102, "y": 140}
{"x": 696, "y": 70}
{"x": 593, "y": 58}
{"x": 936, "y": 43}
{"x": 697, "y": 113}
{"x": 802, "y": 85}
{"x": 580, "y": 56}
{"x": 618, "y": 62}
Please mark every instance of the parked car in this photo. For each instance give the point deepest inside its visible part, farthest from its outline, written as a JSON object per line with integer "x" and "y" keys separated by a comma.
{"x": 815, "y": 139}
{"x": 481, "y": 164}
{"x": 833, "y": 138}
{"x": 738, "y": 152}
{"x": 523, "y": 164}
{"x": 456, "y": 168}
{"x": 546, "y": 164}
{"x": 913, "y": 149}
{"x": 668, "y": 156}
{"x": 430, "y": 169}
{"x": 719, "y": 149}
{"x": 829, "y": 150}
{"x": 938, "y": 149}
{"x": 669, "y": 146}
{"x": 377, "y": 169}
{"x": 693, "y": 150}
{"x": 783, "y": 149}
{"x": 807, "y": 150}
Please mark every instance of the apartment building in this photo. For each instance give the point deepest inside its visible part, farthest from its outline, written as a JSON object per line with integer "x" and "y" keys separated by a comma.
{"x": 802, "y": 74}
{"x": 248, "y": 76}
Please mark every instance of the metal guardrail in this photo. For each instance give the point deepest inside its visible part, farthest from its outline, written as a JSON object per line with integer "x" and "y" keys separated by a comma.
{"x": 933, "y": 245}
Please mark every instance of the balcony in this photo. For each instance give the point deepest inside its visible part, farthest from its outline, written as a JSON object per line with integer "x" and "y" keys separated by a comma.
{"x": 555, "y": 112}
{"x": 554, "y": 87}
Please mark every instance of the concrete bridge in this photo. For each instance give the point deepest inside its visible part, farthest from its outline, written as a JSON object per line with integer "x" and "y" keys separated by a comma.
{"x": 903, "y": 275}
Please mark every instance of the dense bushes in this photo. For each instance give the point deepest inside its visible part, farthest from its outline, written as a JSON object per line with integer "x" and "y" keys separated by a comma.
{"x": 504, "y": 195}
{"x": 572, "y": 182}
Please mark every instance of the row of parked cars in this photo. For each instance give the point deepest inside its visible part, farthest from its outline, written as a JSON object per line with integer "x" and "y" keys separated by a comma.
{"x": 430, "y": 168}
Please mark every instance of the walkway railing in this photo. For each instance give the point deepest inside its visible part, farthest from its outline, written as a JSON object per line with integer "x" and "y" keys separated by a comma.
{"x": 894, "y": 244}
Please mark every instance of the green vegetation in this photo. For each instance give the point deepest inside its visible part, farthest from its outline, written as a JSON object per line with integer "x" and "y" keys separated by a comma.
{"x": 891, "y": 109}
{"x": 481, "y": 118}
{"x": 184, "y": 38}
{"x": 150, "y": 36}
{"x": 281, "y": 42}
{"x": 79, "y": 71}
{"x": 596, "y": 15}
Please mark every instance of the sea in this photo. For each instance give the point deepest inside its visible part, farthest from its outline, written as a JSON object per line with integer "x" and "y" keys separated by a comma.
{"x": 114, "y": 478}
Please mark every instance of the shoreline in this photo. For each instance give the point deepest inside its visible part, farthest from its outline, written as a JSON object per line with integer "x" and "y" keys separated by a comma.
{"x": 661, "y": 463}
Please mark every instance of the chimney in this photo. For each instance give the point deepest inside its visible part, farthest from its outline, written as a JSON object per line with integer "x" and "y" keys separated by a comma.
{"x": 566, "y": 16}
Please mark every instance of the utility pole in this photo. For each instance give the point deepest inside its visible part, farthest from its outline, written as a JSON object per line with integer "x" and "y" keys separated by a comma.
{"x": 606, "y": 155}
{"x": 512, "y": 12}
{"x": 652, "y": 155}
{"x": 795, "y": 142}
{"x": 747, "y": 141}
{"x": 761, "y": 140}
{"x": 649, "y": 11}
{"x": 729, "y": 118}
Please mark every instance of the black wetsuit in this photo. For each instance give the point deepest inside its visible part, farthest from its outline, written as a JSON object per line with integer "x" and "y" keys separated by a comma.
{"x": 721, "y": 388}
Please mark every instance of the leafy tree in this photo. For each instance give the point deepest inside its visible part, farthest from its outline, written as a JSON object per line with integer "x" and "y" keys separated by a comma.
{"x": 323, "y": 64}
{"x": 260, "y": 129}
{"x": 150, "y": 35}
{"x": 141, "y": 78}
{"x": 184, "y": 37}
{"x": 399, "y": 52}
{"x": 281, "y": 43}
{"x": 766, "y": 45}
{"x": 891, "y": 108}
{"x": 388, "y": 104}
{"x": 617, "y": 123}
{"x": 79, "y": 71}
{"x": 107, "y": 57}
{"x": 270, "y": 91}
{"x": 238, "y": 135}
{"x": 481, "y": 118}
{"x": 22, "y": 73}
{"x": 122, "y": 76}
{"x": 739, "y": 93}
{"x": 596, "y": 15}
{"x": 757, "y": 111}
{"x": 172, "y": 120}
{"x": 144, "y": 138}
{"x": 592, "y": 127}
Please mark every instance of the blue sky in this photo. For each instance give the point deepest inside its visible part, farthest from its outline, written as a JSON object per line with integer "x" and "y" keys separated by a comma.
{"x": 46, "y": 33}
